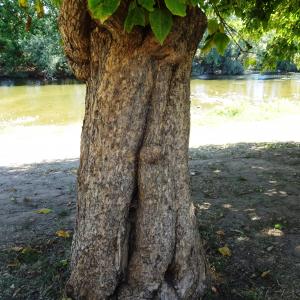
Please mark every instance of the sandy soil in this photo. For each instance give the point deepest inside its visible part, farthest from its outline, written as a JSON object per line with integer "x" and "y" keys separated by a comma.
{"x": 241, "y": 193}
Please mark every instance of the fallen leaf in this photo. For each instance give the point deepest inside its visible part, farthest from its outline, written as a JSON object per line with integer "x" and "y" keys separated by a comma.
{"x": 13, "y": 199}
{"x": 264, "y": 274}
{"x": 63, "y": 234}
{"x": 63, "y": 262}
{"x": 16, "y": 292}
{"x": 14, "y": 264}
{"x": 27, "y": 250}
{"x": 43, "y": 211}
{"x": 220, "y": 232}
{"x": 237, "y": 231}
{"x": 225, "y": 251}
{"x": 275, "y": 232}
{"x": 17, "y": 249}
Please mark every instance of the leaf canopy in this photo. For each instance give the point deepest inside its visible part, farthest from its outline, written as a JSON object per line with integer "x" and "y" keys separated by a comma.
{"x": 281, "y": 17}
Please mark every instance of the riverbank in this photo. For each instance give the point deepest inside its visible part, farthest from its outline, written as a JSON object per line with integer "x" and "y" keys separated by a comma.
{"x": 37, "y": 144}
{"x": 43, "y": 122}
{"x": 36, "y": 81}
{"x": 246, "y": 198}
{"x": 35, "y": 77}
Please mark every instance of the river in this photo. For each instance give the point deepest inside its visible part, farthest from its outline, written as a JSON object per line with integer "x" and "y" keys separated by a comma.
{"x": 43, "y": 122}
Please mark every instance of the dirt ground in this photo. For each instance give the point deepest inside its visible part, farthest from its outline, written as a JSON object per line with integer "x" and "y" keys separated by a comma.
{"x": 247, "y": 199}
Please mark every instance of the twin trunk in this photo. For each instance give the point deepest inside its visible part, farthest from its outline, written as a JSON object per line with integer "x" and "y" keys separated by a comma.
{"x": 136, "y": 235}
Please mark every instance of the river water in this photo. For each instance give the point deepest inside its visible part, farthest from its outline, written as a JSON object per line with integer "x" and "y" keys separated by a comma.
{"x": 42, "y": 122}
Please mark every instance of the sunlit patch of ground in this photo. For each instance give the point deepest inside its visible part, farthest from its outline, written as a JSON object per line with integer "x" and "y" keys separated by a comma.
{"x": 34, "y": 144}
{"x": 283, "y": 129}
{"x": 240, "y": 121}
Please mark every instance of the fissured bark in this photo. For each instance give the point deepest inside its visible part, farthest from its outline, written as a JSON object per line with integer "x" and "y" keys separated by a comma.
{"x": 136, "y": 235}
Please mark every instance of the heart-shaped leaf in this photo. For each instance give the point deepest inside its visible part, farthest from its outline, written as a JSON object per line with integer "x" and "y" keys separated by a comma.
{"x": 103, "y": 9}
{"x": 161, "y": 23}
{"x": 176, "y": 7}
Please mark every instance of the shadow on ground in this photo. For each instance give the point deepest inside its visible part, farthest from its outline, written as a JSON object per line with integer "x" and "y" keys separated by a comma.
{"x": 246, "y": 198}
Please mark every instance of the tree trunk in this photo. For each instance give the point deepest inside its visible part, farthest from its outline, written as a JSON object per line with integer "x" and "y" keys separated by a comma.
{"x": 136, "y": 234}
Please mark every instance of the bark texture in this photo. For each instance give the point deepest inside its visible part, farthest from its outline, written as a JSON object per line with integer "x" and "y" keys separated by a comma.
{"x": 136, "y": 235}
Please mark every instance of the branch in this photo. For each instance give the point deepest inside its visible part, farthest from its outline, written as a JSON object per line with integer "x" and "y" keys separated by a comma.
{"x": 231, "y": 31}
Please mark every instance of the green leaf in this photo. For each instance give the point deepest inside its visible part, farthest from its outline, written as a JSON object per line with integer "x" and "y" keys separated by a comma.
{"x": 221, "y": 28}
{"x": 57, "y": 3}
{"x": 221, "y": 41}
{"x": 212, "y": 26}
{"x": 176, "y": 7}
{"x": 148, "y": 4}
{"x": 103, "y": 9}
{"x": 136, "y": 16}
{"x": 195, "y": 2}
{"x": 161, "y": 23}
{"x": 208, "y": 44}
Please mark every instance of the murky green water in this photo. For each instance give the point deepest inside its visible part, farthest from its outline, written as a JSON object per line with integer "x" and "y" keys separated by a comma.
{"x": 64, "y": 104}
{"x": 41, "y": 104}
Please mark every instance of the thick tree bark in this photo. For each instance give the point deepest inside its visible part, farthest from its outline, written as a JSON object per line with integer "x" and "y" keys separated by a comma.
{"x": 136, "y": 235}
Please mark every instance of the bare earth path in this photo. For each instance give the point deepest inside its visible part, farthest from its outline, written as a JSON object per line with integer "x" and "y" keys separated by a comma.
{"x": 247, "y": 198}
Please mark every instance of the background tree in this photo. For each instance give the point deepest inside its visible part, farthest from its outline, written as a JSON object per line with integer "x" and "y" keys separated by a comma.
{"x": 37, "y": 50}
{"x": 30, "y": 46}
{"x": 231, "y": 63}
{"x": 136, "y": 235}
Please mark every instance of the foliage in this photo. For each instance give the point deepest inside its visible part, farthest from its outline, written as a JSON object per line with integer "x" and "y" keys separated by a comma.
{"x": 282, "y": 17}
{"x": 213, "y": 63}
{"x": 160, "y": 15}
{"x": 30, "y": 44}
{"x": 280, "y": 32}
{"x": 264, "y": 35}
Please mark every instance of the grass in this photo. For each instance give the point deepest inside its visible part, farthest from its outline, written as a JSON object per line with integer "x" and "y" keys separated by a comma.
{"x": 36, "y": 271}
{"x": 243, "y": 111}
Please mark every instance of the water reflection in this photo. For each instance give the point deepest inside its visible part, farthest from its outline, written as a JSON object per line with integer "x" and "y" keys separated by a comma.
{"x": 250, "y": 88}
